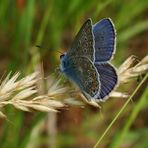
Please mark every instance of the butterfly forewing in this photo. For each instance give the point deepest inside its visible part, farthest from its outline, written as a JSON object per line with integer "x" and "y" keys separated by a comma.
{"x": 104, "y": 36}
{"x": 83, "y": 44}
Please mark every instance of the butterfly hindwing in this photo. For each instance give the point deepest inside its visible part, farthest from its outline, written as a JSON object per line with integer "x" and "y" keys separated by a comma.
{"x": 108, "y": 79}
{"x": 104, "y": 35}
{"x": 83, "y": 43}
{"x": 84, "y": 74}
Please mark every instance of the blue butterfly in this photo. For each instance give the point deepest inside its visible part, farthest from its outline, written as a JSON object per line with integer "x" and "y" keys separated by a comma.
{"x": 87, "y": 61}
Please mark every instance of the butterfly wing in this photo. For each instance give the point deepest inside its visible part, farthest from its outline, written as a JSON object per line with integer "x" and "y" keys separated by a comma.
{"x": 82, "y": 71}
{"x": 108, "y": 79}
{"x": 95, "y": 80}
{"x": 104, "y": 35}
{"x": 83, "y": 43}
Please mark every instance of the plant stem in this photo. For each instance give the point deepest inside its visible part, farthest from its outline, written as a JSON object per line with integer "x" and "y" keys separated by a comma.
{"x": 121, "y": 110}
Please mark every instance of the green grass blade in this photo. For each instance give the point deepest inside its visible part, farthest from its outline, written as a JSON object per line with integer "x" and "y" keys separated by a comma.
{"x": 128, "y": 12}
{"x": 132, "y": 31}
{"x": 100, "y": 7}
{"x": 119, "y": 113}
{"x": 138, "y": 107}
{"x": 26, "y": 137}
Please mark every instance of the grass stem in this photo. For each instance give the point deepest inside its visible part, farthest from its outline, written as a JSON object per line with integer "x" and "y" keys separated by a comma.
{"x": 119, "y": 113}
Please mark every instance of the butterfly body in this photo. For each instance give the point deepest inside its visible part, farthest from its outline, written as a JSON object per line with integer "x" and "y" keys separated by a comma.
{"x": 86, "y": 62}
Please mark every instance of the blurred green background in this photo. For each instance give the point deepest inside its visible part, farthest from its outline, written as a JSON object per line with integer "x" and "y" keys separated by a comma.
{"x": 53, "y": 25}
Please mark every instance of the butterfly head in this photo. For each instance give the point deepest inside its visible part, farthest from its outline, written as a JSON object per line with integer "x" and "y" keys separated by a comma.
{"x": 63, "y": 62}
{"x": 62, "y": 56}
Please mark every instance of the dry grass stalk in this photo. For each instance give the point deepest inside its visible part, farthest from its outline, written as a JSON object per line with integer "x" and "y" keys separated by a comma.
{"x": 22, "y": 94}
{"x": 129, "y": 70}
{"x": 132, "y": 68}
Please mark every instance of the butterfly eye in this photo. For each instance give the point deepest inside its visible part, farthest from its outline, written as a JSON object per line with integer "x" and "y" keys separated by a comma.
{"x": 61, "y": 56}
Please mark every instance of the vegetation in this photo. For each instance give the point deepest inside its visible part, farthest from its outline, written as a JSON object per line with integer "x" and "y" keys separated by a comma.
{"x": 53, "y": 24}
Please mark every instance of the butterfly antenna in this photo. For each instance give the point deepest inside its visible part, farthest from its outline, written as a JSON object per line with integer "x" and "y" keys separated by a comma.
{"x": 39, "y": 46}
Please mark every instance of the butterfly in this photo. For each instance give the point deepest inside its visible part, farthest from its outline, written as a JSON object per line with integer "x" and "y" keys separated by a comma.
{"x": 87, "y": 64}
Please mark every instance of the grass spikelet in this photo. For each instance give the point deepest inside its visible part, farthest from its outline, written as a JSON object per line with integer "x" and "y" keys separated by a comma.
{"x": 22, "y": 94}
{"x": 132, "y": 68}
{"x": 128, "y": 71}
{"x": 55, "y": 88}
